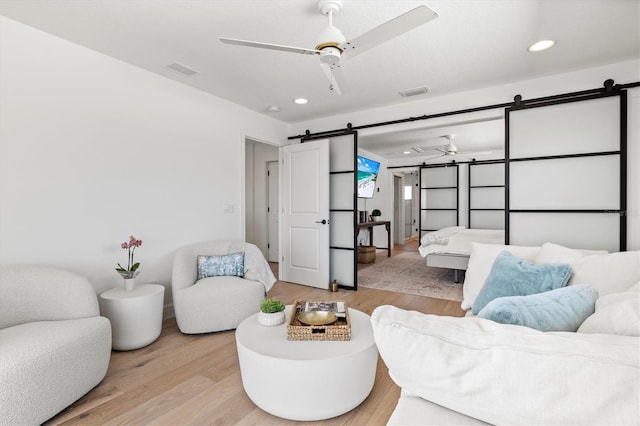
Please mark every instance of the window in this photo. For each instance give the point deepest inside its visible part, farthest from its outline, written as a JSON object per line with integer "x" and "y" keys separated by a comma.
{"x": 408, "y": 192}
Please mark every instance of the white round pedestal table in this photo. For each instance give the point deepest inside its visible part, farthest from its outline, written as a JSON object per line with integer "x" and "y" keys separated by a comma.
{"x": 136, "y": 315}
{"x": 306, "y": 380}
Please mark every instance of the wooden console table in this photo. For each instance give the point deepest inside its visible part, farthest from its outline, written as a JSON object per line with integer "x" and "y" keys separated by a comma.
{"x": 387, "y": 226}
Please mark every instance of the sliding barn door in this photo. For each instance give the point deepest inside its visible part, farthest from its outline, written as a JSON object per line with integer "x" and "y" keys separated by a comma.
{"x": 566, "y": 172}
{"x": 486, "y": 195}
{"x": 343, "y": 179}
{"x": 439, "y": 196}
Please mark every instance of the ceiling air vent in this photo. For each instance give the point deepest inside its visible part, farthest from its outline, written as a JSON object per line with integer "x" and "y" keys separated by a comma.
{"x": 414, "y": 92}
{"x": 182, "y": 69}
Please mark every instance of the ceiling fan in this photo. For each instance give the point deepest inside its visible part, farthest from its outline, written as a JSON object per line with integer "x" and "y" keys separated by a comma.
{"x": 332, "y": 46}
{"x": 451, "y": 150}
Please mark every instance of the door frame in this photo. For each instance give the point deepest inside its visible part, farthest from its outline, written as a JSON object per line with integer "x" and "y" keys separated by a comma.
{"x": 273, "y": 209}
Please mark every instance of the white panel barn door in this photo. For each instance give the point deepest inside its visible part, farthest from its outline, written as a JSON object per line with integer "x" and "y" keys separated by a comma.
{"x": 305, "y": 215}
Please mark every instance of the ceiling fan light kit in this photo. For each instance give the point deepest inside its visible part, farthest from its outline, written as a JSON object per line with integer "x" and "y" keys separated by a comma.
{"x": 332, "y": 46}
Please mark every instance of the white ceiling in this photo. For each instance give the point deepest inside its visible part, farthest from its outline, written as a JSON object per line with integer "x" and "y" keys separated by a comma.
{"x": 472, "y": 44}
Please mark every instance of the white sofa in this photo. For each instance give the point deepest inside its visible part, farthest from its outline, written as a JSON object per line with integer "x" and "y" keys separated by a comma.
{"x": 54, "y": 345}
{"x": 470, "y": 370}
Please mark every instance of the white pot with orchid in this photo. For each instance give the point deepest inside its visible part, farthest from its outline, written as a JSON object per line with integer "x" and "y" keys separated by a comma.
{"x": 131, "y": 271}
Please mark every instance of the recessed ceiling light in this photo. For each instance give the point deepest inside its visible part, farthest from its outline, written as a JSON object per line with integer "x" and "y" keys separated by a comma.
{"x": 300, "y": 101}
{"x": 406, "y": 152}
{"x": 273, "y": 108}
{"x": 405, "y": 93}
{"x": 541, "y": 45}
{"x": 181, "y": 68}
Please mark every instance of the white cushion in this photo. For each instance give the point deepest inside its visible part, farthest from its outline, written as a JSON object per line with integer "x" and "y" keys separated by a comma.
{"x": 506, "y": 374}
{"x": 617, "y": 313}
{"x": 608, "y": 273}
{"x": 47, "y": 365}
{"x": 412, "y": 410}
{"x": 480, "y": 263}
{"x": 554, "y": 253}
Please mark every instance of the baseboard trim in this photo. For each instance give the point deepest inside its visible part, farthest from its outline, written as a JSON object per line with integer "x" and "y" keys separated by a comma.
{"x": 168, "y": 312}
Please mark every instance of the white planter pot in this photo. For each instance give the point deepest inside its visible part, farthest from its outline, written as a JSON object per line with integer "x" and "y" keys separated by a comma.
{"x": 129, "y": 284}
{"x": 269, "y": 320}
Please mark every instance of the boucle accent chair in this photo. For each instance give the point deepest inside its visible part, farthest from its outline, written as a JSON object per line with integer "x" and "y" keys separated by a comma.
{"x": 54, "y": 345}
{"x": 217, "y": 303}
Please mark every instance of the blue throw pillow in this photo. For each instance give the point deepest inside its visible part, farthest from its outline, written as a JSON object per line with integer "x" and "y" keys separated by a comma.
{"x": 222, "y": 265}
{"x": 563, "y": 309}
{"x": 512, "y": 276}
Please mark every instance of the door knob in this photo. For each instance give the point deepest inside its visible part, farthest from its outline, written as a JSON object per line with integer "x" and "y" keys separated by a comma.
{"x": 323, "y": 221}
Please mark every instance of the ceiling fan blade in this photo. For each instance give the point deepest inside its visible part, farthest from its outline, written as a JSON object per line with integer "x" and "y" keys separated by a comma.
{"x": 432, "y": 157}
{"x": 390, "y": 29}
{"x": 430, "y": 148}
{"x": 474, "y": 152}
{"x": 269, "y": 46}
{"x": 336, "y": 78}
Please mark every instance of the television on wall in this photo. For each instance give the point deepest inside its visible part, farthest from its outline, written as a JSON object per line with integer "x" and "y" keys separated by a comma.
{"x": 367, "y": 176}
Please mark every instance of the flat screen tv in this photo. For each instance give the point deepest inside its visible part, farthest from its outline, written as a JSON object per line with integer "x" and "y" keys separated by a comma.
{"x": 367, "y": 177}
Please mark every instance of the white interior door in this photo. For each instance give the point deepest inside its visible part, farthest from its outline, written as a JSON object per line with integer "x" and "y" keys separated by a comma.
{"x": 398, "y": 210}
{"x": 305, "y": 214}
{"x": 273, "y": 246}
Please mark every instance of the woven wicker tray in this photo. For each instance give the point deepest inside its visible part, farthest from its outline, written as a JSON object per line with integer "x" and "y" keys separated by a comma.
{"x": 339, "y": 330}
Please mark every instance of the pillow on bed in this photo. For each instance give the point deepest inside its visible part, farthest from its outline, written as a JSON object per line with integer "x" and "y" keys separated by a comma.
{"x": 480, "y": 262}
{"x": 440, "y": 236}
{"x": 512, "y": 276}
{"x": 563, "y": 309}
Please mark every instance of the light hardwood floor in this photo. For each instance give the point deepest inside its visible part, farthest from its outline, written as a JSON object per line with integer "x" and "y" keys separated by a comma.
{"x": 195, "y": 379}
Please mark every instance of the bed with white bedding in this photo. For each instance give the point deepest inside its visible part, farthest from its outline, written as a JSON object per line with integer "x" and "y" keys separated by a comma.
{"x": 450, "y": 247}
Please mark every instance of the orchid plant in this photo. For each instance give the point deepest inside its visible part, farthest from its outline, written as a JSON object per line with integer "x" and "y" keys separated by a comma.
{"x": 132, "y": 268}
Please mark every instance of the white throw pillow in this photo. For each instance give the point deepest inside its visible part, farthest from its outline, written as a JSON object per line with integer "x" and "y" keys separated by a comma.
{"x": 508, "y": 374}
{"x": 617, "y": 313}
{"x": 608, "y": 273}
{"x": 554, "y": 253}
{"x": 480, "y": 263}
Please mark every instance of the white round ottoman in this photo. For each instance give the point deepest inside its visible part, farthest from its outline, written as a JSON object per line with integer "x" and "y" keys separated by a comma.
{"x": 306, "y": 380}
{"x": 136, "y": 315}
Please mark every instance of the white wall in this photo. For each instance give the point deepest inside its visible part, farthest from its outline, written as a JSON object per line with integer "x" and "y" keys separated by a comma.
{"x": 93, "y": 149}
{"x": 624, "y": 72}
{"x": 258, "y": 155}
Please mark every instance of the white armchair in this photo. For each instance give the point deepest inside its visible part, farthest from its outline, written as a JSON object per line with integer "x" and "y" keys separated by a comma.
{"x": 220, "y": 302}
{"x": 54, "y": 345}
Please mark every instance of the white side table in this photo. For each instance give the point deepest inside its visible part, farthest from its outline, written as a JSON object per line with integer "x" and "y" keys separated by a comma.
{"x": 306, "y": 380}
{"x": 136, "y": 315}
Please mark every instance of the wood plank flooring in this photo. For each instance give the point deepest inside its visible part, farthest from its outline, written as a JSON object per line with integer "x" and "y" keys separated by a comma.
{"x": 195, "y": 379}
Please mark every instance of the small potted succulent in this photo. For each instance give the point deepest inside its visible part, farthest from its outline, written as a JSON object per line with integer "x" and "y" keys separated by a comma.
{"x": 375, "y": 214}
{"x": 271, "y": 312}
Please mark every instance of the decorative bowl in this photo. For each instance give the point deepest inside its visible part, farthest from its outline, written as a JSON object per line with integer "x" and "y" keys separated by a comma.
{"x": 317, "y": 317}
